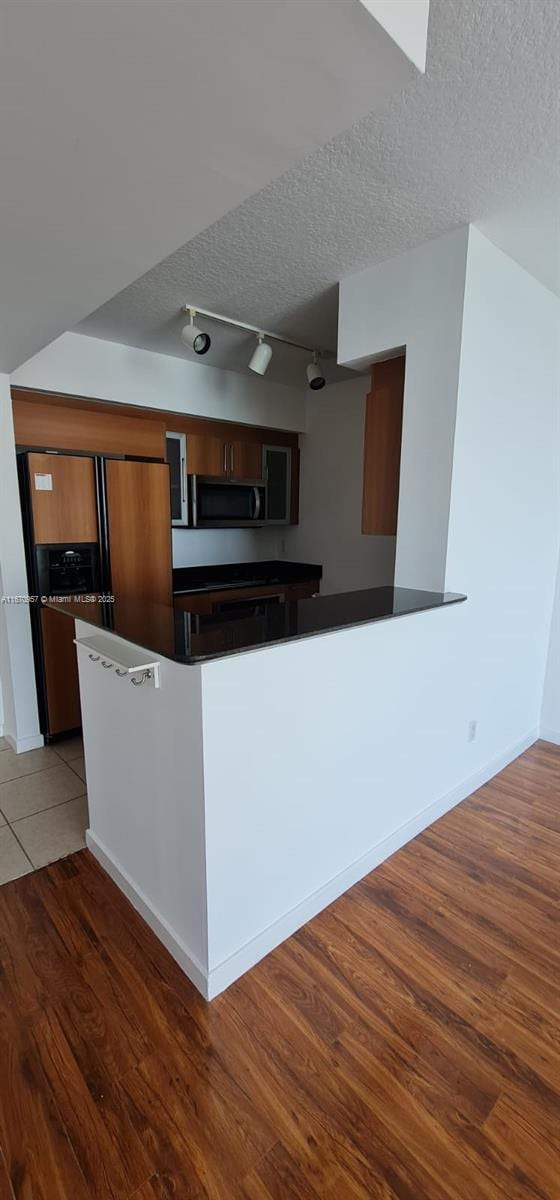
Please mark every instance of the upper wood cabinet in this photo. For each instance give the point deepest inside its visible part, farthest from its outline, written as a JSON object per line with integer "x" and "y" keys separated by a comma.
{"x": 231, "y": 459}
{"x": 382, "y": 447}
{"x": 245, "y": 460}
{"x": 63, "y": 498}
{"x": 206, "y": 455}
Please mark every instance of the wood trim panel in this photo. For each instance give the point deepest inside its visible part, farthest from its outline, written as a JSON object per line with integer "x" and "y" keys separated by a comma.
{"x": 68, "y": 513}
{"x": 73, "y": 427}
{"x": 165, "y": 419}
{"x": 382, "y": 448}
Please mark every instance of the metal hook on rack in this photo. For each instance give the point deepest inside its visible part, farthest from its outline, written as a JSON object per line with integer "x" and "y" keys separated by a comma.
{"x": 138, "y": 682}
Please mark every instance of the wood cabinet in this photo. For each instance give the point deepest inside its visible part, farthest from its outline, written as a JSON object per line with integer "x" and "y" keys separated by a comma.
{"x": 245, "y": 460}
{"x": 60, "y": 669}
{"x": 208, "y": 454}
{"x": 63, "y": 498}
{"x": 205, "y": 603}
{"x": 382, "y": 447}
{"x": 223, "y": 449}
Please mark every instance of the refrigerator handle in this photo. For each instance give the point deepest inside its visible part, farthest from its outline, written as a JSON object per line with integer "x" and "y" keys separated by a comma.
{"x": 103, "y": 525}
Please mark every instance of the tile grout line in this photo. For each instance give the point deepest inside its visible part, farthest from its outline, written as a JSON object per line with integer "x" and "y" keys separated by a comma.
{"x": 49, "y": 807}
{"x": 22, "y": 848}
{"x": 10, "y": 824}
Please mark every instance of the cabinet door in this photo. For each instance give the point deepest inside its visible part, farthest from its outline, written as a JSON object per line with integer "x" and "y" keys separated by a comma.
{"x": 277, "y": 474}
{"x": 60, "y": 672}
{"x": 207, "y": 455}
{"x": 245, "y": 460}
{"x": 176, "y": 454}
{"x": 63, "y": 498}
{"x": 382, "y": 448}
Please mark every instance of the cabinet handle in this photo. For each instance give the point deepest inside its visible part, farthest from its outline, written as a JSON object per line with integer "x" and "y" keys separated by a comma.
{"x": 225, "y": 458}
{"x": 231, "y": 458}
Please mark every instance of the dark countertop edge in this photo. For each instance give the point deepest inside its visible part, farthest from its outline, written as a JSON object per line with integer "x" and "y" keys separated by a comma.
{"x": 453, "y": 598}
{"x": 196, "y": 660}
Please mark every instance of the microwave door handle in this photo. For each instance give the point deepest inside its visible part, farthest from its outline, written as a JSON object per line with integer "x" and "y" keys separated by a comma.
{"x": 257, "y": 495}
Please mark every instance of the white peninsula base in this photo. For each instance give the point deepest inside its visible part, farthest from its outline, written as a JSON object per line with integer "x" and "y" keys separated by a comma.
{"x": 241, "y": 796}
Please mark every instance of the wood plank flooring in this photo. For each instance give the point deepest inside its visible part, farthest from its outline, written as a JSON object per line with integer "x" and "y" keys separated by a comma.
{"x": 404, "y": 1045}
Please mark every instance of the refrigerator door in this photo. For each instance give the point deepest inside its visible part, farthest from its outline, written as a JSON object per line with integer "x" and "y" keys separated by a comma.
{"x": 138, "y": 522}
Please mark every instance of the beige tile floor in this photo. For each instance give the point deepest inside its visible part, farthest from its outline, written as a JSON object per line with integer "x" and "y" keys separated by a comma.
{"x": 43, "y": 806}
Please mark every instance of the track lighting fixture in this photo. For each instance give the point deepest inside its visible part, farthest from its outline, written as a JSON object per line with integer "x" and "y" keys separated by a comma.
{"x": 259, "y": 361}
{"x": 315, "y": 377}
{"x": 193, "y": 337}
{"x": 261, "y": 356}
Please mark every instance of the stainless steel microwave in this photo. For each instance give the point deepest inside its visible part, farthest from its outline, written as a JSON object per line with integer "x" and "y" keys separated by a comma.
{"x": 226, "y": 503}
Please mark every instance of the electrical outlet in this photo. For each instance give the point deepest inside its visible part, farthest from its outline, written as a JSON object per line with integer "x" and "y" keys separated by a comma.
{"x": 471, "y": 731}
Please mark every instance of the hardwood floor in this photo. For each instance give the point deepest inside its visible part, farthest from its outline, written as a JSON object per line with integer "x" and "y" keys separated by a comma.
{"x": 404, "y": 1045}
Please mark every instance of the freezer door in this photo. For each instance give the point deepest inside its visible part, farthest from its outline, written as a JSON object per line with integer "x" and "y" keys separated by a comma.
{"x": 63, "y": 498}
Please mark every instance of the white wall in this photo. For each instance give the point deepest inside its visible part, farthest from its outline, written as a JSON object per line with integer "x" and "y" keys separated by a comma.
{"x": 550, "y": 716}
{"x": 21, "y": 722}
{"x": 504, "y": 514}
{"x": 330, "y": 524}
{"x": 86, "y": 366}
{"x": 376, "y": 718}
{"x": 143, "y": 750}
{"x": 415, "y": 300}
{"x": 197, "y": 547}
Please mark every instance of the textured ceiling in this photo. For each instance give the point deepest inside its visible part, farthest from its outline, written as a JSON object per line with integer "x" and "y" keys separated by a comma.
{"x": 475, "y": 139}
{"x": 128, "y": 126}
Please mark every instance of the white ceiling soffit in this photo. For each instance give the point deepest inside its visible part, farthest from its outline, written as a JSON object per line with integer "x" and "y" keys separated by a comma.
{"x": 126, "y": 128}
{"x": 407, "y": 23}
{"x": 477, "y": 138}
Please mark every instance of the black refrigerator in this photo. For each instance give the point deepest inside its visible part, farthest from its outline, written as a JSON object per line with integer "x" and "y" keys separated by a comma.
{"x": 94, "y": 526}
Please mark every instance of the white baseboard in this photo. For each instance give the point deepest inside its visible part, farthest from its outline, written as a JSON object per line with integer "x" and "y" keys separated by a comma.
{"x": 211, "y": 983}
{"x": 171, "y": 940}
{"x": 550, "y": 735}
{"x": 227, "y": 972}
{"x": 21, "y": 745}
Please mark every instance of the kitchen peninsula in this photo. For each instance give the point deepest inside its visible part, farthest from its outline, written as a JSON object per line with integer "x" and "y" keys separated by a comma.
{"x": 241, "y": 783}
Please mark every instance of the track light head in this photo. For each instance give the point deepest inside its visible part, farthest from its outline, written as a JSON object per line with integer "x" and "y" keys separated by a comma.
{"x": 193, "y": 337}
{"x": 315, "y": 377}
{"x": 261, "y": 356}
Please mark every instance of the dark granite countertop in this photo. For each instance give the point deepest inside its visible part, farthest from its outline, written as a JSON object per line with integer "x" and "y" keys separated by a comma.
{"x": 247, "y": 574}
{"x": 192, "y": 638}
